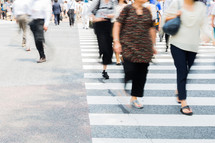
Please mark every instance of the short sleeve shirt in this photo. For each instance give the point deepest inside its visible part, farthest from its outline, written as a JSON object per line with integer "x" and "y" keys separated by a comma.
{"x": 135, "y": 35}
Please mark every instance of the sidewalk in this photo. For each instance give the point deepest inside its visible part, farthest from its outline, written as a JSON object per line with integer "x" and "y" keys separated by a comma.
{"x": 42, "y": 102}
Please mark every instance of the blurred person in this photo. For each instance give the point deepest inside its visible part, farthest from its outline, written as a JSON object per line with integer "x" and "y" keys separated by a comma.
{"x": 41, "y": 14}
{"x": 0, "y": 9}
{"x": 85, "y": 16}
{"x": 79, "y": 8}
{"x": 117, "y": 11}
{"x": 4, "y": 11}
{"x": 133, "y": 35}
{"x": 71, "y": 12}
{"x": 184, "y": 45}
{"x": 167, "y": 37}
{"x": 21, "y": 9}
{"x": 65, "y": 8}
{"x": 213, "y": 22}
{"x": 102, "y": 13}
{"x": 56, "y": 8}
{"x": 9, "y": 10}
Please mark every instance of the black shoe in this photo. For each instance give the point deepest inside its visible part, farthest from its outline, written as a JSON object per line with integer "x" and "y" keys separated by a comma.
{"x": 105, "y": 75}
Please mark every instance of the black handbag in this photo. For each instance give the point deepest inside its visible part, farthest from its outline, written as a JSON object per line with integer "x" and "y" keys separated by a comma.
{"x": 172, "y": 26}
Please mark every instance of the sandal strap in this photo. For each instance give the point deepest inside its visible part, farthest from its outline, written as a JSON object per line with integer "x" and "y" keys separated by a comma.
{"x": 185, "y": 107}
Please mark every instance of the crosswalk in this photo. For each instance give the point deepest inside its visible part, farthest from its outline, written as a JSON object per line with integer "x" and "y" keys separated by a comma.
{"x": 113, "y": 120}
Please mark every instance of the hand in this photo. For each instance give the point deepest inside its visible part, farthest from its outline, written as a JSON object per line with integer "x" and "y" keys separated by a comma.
{"x": 96, "y": 19}
{"x": 117, "y": 47}
{"x": 179, "y": 13}
{"x": 45, "y": 28}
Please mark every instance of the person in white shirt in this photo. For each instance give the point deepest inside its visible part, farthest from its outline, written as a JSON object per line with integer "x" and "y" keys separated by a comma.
{"x": 65, "y": 8}
{"x": 184, "y": 45}
{"x": 21, "y": 10}
{"x": 71, "y": 12}
{"x": 85, "y": 16}
{"x": 40, "y": 13}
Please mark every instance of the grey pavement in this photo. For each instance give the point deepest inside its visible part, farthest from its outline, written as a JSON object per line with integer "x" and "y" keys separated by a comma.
{"x": 42, "y": 102}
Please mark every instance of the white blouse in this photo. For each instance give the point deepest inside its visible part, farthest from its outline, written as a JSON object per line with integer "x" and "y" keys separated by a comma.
{"x": 192, "y": 23}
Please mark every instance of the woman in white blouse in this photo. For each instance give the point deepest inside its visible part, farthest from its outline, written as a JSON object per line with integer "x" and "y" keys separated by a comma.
{"x": 184, "y": 45}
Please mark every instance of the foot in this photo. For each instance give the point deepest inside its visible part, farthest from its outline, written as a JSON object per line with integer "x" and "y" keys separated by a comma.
{"x": 28, "y": 49}
{"x": 118, "y": 63}
{"x": 105, "y": 75}
{"x": 186, "y": 110}
{"x": 136, "y": 104}
{"x": 41, "y": 60}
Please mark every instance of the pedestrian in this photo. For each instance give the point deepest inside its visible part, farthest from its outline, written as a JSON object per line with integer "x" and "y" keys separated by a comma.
{"x": 184, "y": 45}
{"x": 102, "y": 13}
{"x": 133, "y": 35}
{"x": 21, "y": 10}
{"x": 167, "y": 37}
{"x": 9, "y": 10}
{"x": 65, "y": 8}
{"x": 85, "y": 16}
{"x": 4, "y": 11}
{"x": 56, "y": 8}
{"x": 213, "y": 22}
{"x": 41, "y": 14}
{"x": 117, "y": 11}
{"x": 71, "y": 12}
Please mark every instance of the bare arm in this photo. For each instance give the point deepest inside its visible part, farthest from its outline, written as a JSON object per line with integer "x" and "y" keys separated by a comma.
{"x": 212, "y": 20}
{"x": 153, "y": 37}
{"x": 172, "y": 17}
{"x": 116, "y": 32}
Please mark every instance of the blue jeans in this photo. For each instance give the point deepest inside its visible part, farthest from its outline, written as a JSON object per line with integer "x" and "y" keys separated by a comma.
{"x": 183, "y": 61}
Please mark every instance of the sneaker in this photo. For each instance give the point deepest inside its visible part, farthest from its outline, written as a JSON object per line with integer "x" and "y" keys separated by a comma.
{"x": 105, "y": 75}
{"x": 41, "y": 60}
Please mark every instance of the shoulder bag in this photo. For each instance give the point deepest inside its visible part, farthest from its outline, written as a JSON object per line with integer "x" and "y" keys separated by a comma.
{"x": 172, "y": 26}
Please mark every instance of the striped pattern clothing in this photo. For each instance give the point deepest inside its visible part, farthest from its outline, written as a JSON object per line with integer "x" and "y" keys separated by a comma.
{"x": 134, "y": 35}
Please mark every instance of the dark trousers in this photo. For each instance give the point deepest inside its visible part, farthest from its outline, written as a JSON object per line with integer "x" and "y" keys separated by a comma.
{"x": 167, "y": 40}
{"x": 136, "y": 72}
{"x": 37, "y": 30}
{"x": 183, "y": 61}
{"x": 57, "y": 19}
{"x": 103, "y": 32}
{"x": 71, "y": 15}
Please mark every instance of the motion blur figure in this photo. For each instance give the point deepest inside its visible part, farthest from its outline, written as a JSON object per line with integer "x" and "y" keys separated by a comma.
{"x": 185, "y": 44}
{"x": 56, "y": 10}
{"x": 71, "y": 12}
{"x": 102, "y": 12}
{"x": 85, "y": 16}
{"x": 21, "y": 9}
{"x": 41, "y": 14}
{"x": 133, "y": 35}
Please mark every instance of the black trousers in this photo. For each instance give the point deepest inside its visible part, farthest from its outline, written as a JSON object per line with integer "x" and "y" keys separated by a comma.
{"x": 183, "y": 61}
{"x": 167, "y": 40}
{"x": 103, "y": 31}
{"x": 71, "y": 15}
{"x": 57, "y": 19}
{"x": 136, "y": 72}
{"x": 37, "y": 30}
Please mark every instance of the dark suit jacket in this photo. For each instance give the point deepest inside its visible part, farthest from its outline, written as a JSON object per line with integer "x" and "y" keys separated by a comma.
{"x": 56, "y": 8}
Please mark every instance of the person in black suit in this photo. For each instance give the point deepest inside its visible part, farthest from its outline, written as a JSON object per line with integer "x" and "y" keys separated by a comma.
{"x": 56, "y": 8}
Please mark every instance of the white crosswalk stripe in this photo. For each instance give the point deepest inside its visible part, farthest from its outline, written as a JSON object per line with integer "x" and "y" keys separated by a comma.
{"x": 112, "y": 118}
